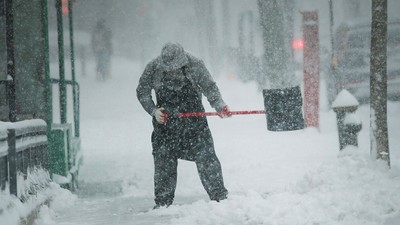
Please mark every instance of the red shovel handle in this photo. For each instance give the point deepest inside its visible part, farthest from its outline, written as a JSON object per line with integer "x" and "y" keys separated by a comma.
{"x": 196, "y": 114}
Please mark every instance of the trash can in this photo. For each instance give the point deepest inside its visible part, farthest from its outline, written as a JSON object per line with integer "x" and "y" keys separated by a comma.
{"x": 284, "y": 109}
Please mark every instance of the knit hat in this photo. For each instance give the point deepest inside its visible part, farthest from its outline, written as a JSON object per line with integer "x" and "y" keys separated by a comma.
{"x": 173, "y": 57}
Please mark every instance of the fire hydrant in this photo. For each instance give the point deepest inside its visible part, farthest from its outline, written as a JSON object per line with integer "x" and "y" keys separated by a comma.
{"x": 348, "y": 122}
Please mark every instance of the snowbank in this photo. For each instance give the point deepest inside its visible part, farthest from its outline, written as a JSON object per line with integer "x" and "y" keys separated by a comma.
{"x": 12, "y": 210}
{"x": 351, "y": 190}
{"x": 274, "y": 178}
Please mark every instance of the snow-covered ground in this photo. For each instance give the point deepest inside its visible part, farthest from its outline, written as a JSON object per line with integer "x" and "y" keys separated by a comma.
{"x": 296, "y": 177}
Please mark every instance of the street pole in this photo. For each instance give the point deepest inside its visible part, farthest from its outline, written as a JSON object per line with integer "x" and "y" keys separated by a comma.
{"x": 48, "y": 85}
{"x": 10, "y": 60}
{"x": 311, "y": 63}
{"x": 63, "y": 87}
{"x": 71, "y": 38}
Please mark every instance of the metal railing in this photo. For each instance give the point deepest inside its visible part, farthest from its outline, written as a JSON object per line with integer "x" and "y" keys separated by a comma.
{"x": 76, "y": 102}
{"x": 23, "y": 146}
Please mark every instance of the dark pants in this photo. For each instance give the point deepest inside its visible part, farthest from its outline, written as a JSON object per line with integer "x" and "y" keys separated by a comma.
{"x": 200, "y": 149}
{"x": 165, "y": 176}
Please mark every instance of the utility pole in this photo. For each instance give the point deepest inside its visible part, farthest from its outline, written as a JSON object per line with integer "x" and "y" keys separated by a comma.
{"x": 63, "y": 87}
{"x": 72, "y": 52}
{"x": 378, "y": 82}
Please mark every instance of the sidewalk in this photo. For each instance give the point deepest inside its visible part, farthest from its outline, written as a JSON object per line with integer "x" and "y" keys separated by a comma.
{"x": 296, "y": 177}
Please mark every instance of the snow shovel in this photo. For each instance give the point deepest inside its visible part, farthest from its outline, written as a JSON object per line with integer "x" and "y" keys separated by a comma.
{"x": 196, "y": 114}
{"x": 284, "y": 110}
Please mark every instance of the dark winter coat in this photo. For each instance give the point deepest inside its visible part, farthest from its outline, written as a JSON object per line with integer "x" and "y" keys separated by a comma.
{"x": 196, "y": 73}
{"x": 185, "y": 137}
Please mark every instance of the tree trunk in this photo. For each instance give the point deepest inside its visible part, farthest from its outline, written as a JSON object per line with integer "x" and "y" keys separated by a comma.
{"x": 378, "y": 82}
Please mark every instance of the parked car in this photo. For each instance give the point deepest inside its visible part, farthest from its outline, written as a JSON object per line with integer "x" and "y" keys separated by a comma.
{"x": 351, "y": 62}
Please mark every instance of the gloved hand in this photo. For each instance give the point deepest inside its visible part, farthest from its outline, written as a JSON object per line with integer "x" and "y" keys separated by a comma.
{"x": 161, "y": 116}
{"x": 224, "y": 112}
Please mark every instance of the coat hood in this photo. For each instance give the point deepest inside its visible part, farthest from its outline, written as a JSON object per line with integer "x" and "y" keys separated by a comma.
{"x": 173, "y": 57}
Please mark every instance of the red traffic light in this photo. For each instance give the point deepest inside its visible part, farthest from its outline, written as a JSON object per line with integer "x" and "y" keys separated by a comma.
{"x": 298, "y": 43}
{"x": 64, "y": 7}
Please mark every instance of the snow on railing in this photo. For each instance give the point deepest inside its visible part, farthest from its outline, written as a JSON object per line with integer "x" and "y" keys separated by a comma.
{"x": 23, "y": 148}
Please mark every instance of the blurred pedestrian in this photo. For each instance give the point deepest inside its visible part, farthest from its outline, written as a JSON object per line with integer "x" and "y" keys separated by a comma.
{"x": 102, "y": 49}
{"x": 179, "y": 80}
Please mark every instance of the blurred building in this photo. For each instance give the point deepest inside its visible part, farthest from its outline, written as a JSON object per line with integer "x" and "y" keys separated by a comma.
{"x": 29, "y": 53}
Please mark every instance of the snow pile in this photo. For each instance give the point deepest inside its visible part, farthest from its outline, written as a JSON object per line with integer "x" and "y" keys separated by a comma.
{"x": 60, "y": 199}
{"x": 273, "y": 177}
{"x": 345, "y": 99}
{"x": 351, "y": 190}
{"x": 33, "y": 191}
{"x": 12, "y": 210}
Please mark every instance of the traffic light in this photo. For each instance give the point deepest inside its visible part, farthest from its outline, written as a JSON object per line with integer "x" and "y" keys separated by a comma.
{"x": 64, "y": 8}
{"x": 298, "y": 43}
